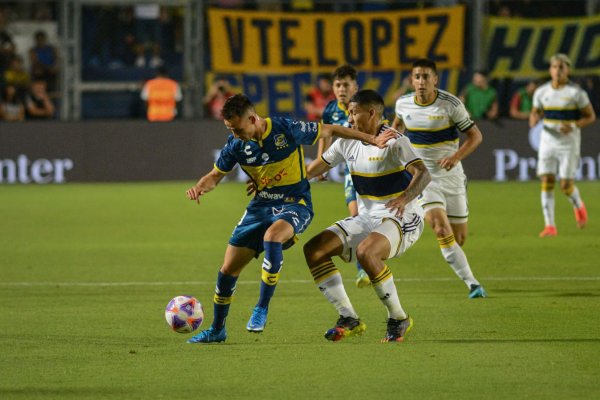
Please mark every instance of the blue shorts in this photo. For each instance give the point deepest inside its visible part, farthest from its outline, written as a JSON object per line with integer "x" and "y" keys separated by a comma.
{"x": 349, "y": 190}
{"x": 250, "y": 231}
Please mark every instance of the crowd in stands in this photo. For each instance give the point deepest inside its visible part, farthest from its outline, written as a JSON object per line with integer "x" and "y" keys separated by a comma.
{"x": 27, "y": 93}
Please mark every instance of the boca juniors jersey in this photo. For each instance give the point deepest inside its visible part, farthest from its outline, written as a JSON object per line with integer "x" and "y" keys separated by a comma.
{"x": 276, "y": 162}
{"x": 378, "y": 174}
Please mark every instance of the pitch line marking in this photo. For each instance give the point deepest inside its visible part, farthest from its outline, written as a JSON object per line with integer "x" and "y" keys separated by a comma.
{"x": 299, "y": 281}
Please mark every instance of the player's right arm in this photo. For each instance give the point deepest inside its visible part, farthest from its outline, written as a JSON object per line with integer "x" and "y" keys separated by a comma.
{"x": 207, "y": 183}
{"x": 534, "y": 117}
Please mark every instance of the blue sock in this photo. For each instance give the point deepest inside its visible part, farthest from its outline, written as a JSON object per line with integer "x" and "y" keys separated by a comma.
{"x": 222, "y": 299}
{"x": 270, "y": 272}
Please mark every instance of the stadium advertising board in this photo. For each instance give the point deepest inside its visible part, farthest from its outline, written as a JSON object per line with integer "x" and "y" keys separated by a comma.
{"x": 47, "y": 153}
{"x": 520, "y": 48}
{"x": 278, "y": 42}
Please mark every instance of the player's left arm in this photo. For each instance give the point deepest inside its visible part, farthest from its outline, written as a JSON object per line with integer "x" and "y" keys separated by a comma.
{"x": 588, "y": 116}
{"x": 473, "y": 140}
{"x": 420, "y": 179}
{"x": 328, "y": 130}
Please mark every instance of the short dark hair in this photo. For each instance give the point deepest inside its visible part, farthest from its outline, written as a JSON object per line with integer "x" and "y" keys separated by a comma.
{"x": 236, "y": 106}
{"x": 368, "y": 97}
{"x": 425, "y": 63}
{"x": 344, "y": 71}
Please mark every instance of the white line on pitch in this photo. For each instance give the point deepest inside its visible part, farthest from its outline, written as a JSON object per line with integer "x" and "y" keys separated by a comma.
{"x": 98, "y": 284}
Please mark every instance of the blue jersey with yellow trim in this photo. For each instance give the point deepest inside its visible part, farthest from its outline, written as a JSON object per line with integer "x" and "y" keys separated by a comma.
{"x": 378, "y": 174}
{"x": 335, "y": 113}
{"x": 276, "y": 162}
{"x": 433, "y": 129}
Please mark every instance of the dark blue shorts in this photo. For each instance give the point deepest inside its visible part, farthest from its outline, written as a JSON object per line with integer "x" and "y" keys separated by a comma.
{"x": 250, "y": 231}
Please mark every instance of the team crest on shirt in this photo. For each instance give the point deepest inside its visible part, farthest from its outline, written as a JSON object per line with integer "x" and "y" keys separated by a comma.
{"x": 280, "y": 141}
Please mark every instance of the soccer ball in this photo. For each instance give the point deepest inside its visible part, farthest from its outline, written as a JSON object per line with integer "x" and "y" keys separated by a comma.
{"x": 184, "y": 314}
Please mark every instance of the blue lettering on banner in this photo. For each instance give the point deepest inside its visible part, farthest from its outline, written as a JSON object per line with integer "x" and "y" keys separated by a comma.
{"x": 442, "y": 23}
{"x": 235, "y": 33}
{"x": 321, "y": 56}
{"x": 381, "y": 34}
{"x": 263, "y": 25}
{"x": 406, "y": 40}
{"x": 354, "y": 32}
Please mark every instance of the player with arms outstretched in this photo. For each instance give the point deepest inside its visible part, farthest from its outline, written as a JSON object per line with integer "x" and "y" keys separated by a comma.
{"x": 270, "y": 151}
{"x": 432, "y": 119}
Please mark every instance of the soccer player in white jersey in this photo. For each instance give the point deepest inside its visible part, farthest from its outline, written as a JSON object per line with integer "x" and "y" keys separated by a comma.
{"x": 389, "y": 221}
{"x": 565, "y": 108}
{"x": 432, "y": 119}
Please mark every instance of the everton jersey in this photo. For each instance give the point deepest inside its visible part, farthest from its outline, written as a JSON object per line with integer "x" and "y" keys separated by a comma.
{"x": 275, "y": 163}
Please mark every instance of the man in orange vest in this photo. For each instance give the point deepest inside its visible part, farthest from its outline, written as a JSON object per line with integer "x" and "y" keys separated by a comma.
{"x": 161, "y": 95}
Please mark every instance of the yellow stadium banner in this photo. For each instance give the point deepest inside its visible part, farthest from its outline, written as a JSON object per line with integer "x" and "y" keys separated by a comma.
{"x": 280, "y": 42}
{"x": 521, "y": 48}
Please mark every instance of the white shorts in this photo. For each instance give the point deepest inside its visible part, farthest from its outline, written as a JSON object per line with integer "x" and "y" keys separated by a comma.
{"x": 401, "y": 233}
{"x": 449, "y": 196}
{"x": 562, "y": 160}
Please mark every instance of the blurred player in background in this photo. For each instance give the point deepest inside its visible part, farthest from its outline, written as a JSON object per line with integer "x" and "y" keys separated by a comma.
{"x": 389, "y": 220}
{"x": 336, "y": 112}
{"x": 432, "y": 119}
{"x": 565, "y": 108}
{"x": 270, "y": 151}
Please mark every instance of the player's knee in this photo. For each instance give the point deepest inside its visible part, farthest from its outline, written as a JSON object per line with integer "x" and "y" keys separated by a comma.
{"x": 365, "y": 253}
{"x": 312, "y": 252}
{"x": 441, "y": 230}
{"x": 566, "y": 187}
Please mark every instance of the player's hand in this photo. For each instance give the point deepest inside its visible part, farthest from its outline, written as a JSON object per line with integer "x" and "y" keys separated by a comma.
{"x": 194, "y": 193}
{"x": 397, "y": 206}
{"x": 383, "y": 138}
{"x": 250, "y": 187}
{"x": 566, "y": 128}
{"x": 448, "y": 163}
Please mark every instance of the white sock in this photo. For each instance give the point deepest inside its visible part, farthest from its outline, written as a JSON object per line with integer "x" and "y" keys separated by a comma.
{"x": 575, "y": 198}
{"x": 333, "y": 289}
{"x": 457, "y": 259}
{"x": 384, "y": 286}
{"x": 548, "y": 207}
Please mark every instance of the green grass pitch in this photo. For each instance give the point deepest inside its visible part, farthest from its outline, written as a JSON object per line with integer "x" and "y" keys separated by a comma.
{"x": 87, "y": 269}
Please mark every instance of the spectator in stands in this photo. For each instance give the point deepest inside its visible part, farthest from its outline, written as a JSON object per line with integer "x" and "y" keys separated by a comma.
{"x": 7, "y": 46}
{"x": 17, "y": 76}
{"x": 481, "y": 100}
{"x": 43, "y": 59}
{"x": 38, "y": 103}
{"x": 161, "y": 95}
{"x": 318, "y": 97}
{"x": 214, "y": 100}
{"x": 522, "y": 101}
{"x": 11, "y": 108}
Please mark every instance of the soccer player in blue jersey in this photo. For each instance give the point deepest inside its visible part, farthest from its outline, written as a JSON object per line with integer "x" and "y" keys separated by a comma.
{"x": 565, "y": 108}
{"x": 388, "y": 222}
{"x": 336, "y": 112}
{"x": 432, "y": 119}
{"x": 270, "y": 151}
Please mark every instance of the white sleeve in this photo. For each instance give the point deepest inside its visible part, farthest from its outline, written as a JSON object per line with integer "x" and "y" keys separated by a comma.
{"x": 144, "y": 94}
{"x": 404, "y": 150}
{"x": 537, "y": 103}
{"x": 460, "y": 116}
{"x": 582, "y": 99}
{"x": 335, "y": 153}
{"x": 398, "y": 109}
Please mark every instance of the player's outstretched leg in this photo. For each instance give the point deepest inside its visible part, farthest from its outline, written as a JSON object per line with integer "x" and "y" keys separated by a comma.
{"x": 210, "y": 335}
{"x": 224, "y": 290}
{"x": 344, "y": 327}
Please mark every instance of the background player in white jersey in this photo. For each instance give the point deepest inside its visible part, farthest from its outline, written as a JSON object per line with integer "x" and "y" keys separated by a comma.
{"x": 432, "y": 119}
{"x": 389, "y": 221}
{"x": 565, "y": 108}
